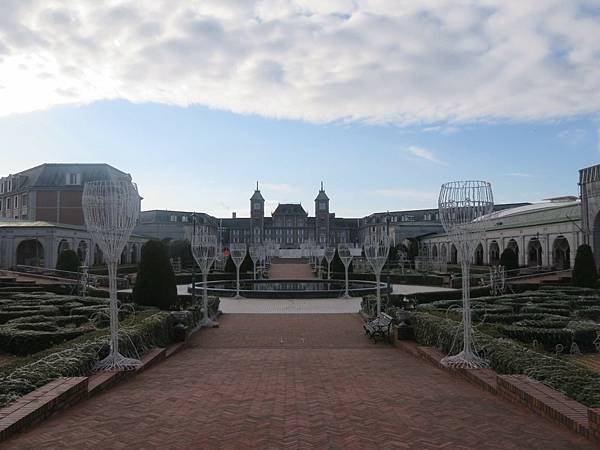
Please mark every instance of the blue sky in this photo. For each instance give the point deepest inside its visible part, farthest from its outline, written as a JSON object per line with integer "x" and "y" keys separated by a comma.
{"x": 207, "y": 160}
{"x": 382, "y": 100}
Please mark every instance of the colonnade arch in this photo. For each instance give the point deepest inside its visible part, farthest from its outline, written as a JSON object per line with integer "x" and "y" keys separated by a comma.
{"x": 561, "y": 253}
{"x": 494, "y": 253}
{"x": 30, "y": 252}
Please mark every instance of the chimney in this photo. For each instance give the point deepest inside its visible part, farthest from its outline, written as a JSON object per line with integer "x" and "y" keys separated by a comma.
{"x": 233, "y": 215}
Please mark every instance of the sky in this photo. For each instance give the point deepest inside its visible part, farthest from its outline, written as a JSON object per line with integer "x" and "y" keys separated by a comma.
{"x": 381, "y": 100}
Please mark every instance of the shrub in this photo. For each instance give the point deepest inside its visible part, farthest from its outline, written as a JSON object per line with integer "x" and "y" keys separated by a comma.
{"x": 509, "y": 259}
{"x": 155, "y": 284}
{"x": 68, "y": 261}
{"x": 584, "y": 271}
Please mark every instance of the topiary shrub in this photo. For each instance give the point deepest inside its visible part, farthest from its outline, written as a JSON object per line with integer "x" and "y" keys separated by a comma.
{"x": 584, "y": 271}
{"x": 68, "y": 261}
{"x": 509, "y": 259}
{"x": 155, "y": 284}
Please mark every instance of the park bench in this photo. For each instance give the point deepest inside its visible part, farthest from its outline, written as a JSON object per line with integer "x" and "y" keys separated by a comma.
{"x": 380, "y": 327}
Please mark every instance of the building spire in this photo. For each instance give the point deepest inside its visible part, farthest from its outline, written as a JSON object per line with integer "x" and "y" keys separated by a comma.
{"x": 257, "y": 185}
{"x": 321, "y": 185}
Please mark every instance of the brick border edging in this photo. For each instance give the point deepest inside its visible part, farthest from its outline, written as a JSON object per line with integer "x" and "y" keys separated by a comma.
{"x": 41, "y": 403}
{"x": 61, "y": 393}
{"x": 521, "y": 390}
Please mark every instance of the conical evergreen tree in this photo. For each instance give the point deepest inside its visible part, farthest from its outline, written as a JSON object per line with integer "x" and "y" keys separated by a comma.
{"x": 155, "y": 284}
{"x": 584, "y": 271}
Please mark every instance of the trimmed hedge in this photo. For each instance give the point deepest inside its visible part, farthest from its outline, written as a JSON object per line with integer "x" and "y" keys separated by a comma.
{"x": 509, "y": 357}
{"x": 77, "y": 357}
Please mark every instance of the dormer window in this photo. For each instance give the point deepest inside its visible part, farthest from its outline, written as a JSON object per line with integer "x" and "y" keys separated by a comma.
{"x": 322, "y": 205}
{"x": 73, "y": 179}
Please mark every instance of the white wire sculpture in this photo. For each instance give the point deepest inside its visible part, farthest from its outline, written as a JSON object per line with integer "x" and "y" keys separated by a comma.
{"x": 254, "y": 252}
{"x": 346, "y": 257}
{"x": 262, "y": 258}
{"x": 237, "y": 251}
{"x": 110, "y": 211}
{"x": 329, "y": 255}
{"x": 377, "y": 250}
{"x": 462, "y": 205}
{"x": 205, "y": 249}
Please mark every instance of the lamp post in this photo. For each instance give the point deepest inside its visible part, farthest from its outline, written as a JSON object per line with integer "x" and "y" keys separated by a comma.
{"x": 462, "y": 206}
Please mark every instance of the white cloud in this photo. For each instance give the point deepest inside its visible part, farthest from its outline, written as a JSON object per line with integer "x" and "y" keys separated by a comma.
{"x": 382, "y": 61}
{"x": 423, "y": 153}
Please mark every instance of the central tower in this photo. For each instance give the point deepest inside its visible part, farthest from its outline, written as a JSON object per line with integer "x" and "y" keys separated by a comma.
{"x": 257, "y": 216}
{"x": 322, "y": 217}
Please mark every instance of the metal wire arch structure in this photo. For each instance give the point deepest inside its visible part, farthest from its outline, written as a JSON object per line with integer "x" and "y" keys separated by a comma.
{"x": 329, "y": 255}
{"x": 111, "y": 210}
{"x": 204, "y": 249}
{"x": 346, "y": 256}
{"x": 377, "y": 250}
{"x": 255, "y": 254}
{"x": 237, "y": 251}
{"x": 463, "y": 206}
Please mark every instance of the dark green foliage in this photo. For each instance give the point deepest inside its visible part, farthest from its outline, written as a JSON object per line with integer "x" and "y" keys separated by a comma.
{"x": 155, "y": 284}
{"x": 584, "y": 271}
{"x": 509, "y": 260}
{"x": 68, "y": 261}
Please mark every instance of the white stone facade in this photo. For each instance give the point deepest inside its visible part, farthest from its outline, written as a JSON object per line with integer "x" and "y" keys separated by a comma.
{"x": 39, "y": 244}
{"x": 544, "y": 234}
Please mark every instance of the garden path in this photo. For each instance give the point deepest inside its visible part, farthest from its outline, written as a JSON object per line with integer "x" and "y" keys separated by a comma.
{"x": 271, "y": 381}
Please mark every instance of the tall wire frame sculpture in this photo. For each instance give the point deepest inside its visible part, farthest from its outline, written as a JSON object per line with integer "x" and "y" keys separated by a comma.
{"x": 329, "y": 255}
{"x": 377, "y": 250}
{"x": 110, "y": 210}
{"x": 462, "y": 207}
{"x": 205, "y": 249}
{"x": 237, "y": 251}
{"x": 346, "y": 256}
{"x": 254, "y": 252}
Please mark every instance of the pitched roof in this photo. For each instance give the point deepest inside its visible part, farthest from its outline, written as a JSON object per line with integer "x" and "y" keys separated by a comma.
{"x": 322, "y": 195}
{"x": 289, "y": 209}
{"x": 52, "y": 175}
{"x": 257, "y": 196}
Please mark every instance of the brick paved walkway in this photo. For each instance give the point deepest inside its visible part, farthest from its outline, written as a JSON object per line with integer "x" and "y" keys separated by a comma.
{"x": 291, "y": 271}
{"x": 295, "y": 381}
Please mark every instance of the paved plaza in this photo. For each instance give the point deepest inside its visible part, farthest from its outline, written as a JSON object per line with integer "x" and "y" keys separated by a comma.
{"x": 295, "y": 381}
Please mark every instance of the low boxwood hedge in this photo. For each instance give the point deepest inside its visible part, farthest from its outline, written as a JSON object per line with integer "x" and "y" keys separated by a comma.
{"x": 509, "y": 357}
{"x": 77, "y": 357}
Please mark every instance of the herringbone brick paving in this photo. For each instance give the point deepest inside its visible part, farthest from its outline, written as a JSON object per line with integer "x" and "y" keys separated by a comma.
{"x": 295, "y": 382}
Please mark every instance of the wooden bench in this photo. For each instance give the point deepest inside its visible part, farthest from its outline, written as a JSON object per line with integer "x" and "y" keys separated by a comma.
{"x": 380, "y": 327}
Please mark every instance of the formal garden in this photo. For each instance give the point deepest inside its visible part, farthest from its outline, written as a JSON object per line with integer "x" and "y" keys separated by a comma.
{"x": 46, "y": 335}
{"x": 538, "y": 333}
